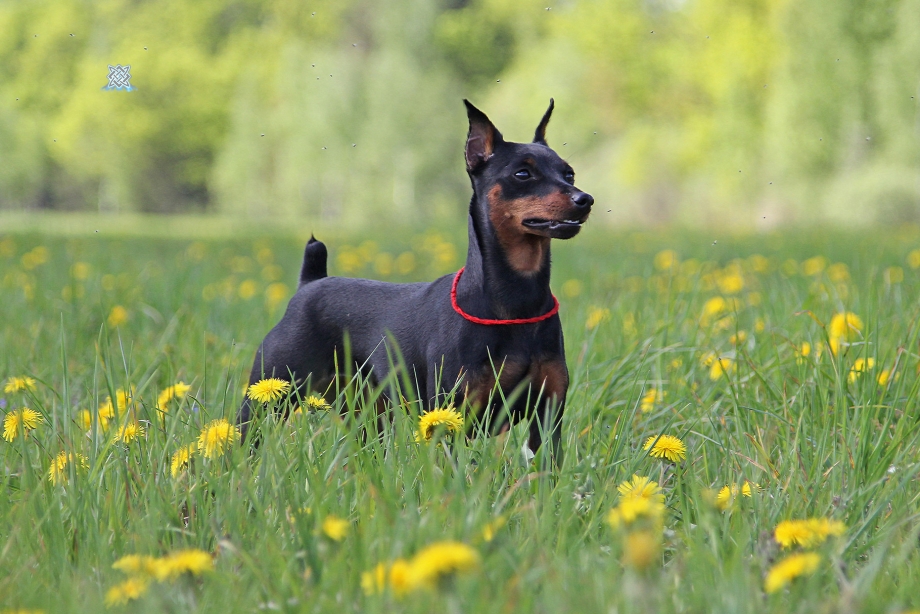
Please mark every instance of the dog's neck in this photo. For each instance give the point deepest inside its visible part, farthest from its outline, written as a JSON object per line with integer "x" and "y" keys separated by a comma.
{"x": 490, "y": 286}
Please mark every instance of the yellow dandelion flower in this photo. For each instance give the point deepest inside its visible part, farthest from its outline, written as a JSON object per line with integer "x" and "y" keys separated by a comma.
{"x": 335, "y": 528}
{"x": 807, "y": 533}
{"x": 400, "y": 576}
{"x": 375, "y": 580}
{"x": 191, "y": 561}
{"x": 441, "y": 560}
{"x": 117, "y": 316}
{"x": 666, "y": 260}
{"x": 23, "y": 419}
{"x": 129, "y": 432}
{"x": 802, "y": 352}
{"x": 449, "y": 419}
{"x": 216, "y": 438}
{"x": 844, "y": 327}
{"x": 861, "y": 365}
{"x": 738, "y": 338}
{"x": 58, "y": 471}
{"x": 640, "y": 487}
{"x": 720, "y": 367}
{"x": 267, "y": 390}
{"x": 314, "y": 402}
{"x": 491, "y": 528}
{"x": 176, "y": 391}
{"x": 596, "y": 317}
{"x": 640, "y": 549}
{"x": 130, "y": 589}
{"x": 181, "y": 459}
{"x": 791, "y": 568}
{"x": 729, "y": 494}
{"x": 135, "y": 565}
{"x": 666, "y": 446}
{"x": 631, "y": 509}
{"x": 648, "y": 401}
{"x": 18, "y": 384}
{"x": 713, "y": 308}
{"x": 122, "y": 400}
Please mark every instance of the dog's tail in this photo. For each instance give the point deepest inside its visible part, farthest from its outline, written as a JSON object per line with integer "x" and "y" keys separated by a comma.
{"x": 314, "y": 261}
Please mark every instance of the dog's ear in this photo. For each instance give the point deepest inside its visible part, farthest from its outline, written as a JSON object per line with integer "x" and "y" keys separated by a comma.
{"x": 482, "y": 138}
{"x": 540, "y": 135}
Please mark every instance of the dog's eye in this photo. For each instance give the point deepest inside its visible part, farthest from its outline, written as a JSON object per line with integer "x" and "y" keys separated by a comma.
{"x": 570, "y": 176}
{"x": 523, "y": 174}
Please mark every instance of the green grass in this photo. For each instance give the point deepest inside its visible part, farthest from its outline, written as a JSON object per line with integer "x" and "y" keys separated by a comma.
{"x": 818, "y": 438}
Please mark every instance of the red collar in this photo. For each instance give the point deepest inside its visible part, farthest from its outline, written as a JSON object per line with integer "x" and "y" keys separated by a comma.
{"x": 475, "y": 320}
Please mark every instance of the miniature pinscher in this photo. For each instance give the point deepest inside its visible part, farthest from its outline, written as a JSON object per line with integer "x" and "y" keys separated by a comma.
{"x": 492, "y": 324}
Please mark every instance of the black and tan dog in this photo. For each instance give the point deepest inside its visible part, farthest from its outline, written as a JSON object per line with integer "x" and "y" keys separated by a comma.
{"x": 495, "y": 316}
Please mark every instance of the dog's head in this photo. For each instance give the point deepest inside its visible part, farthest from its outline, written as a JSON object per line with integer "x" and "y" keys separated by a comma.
{"x": 528, "y": 189}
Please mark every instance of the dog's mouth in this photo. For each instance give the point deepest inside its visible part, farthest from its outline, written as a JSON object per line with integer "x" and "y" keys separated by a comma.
{"x": 557, "y": 229}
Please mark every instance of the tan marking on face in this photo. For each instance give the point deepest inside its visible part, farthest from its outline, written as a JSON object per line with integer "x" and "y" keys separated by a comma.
{"x": 524, "y": 249}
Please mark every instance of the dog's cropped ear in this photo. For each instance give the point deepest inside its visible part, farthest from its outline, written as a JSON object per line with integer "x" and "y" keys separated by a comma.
{"x": 540, "y": 135}
{"x": 482, "y": 138}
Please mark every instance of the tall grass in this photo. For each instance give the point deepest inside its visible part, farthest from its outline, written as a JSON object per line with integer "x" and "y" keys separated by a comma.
{"x": 818, "y": 437}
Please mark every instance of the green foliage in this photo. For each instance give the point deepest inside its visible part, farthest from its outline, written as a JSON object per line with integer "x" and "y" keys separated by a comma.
{"x": 821, "y": 436}
{"x": 697, "y": 111}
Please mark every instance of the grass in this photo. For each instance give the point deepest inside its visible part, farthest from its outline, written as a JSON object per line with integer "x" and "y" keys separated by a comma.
{"x": 716, "y": 329}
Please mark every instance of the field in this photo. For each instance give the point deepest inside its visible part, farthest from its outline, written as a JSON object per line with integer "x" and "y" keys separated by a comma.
{"x": 785, "y": 363}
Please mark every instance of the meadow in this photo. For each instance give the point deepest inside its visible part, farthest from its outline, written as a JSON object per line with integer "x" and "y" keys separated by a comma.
{"x": 724, "y": 387}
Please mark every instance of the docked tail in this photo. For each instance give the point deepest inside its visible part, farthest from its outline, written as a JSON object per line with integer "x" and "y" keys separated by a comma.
{"x": 314, "y": 261}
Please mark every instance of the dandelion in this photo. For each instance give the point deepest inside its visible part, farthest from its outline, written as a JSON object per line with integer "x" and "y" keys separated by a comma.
{"x": 802, "y": 352}
{"x": 640, "y": 487}
{"x": 335, "y": 528}
{"x": 401, "y": 578}
{"x": 491, "y": 528}
{"x": 728, "y": 494}
{"x": 18, "y": 384}
{"x": 631, "y": 509}
{"x": 791, "y": 568}
{"x": 314, "y": 402}
{"x": 58, "y": 471}
{"x": 117, "y": 316}
{"x": 807, "y": 533}
{"x": 666, "y": 446}
{"x": 720, "y": 367}
{"x": 844, "y": 327}
{"x": 129, "y": 432}
{"x": 130, "y": 589}
{"x": 648, "y": 401}
{"x": 861, "y": 365}
{"x": 181, "y": 459}
{"x": 216, "y": 437}
{"x": 440, "y": 561}
{"x": 666, "y": 260}
{"x": 738, "y": 338}
{"x": 375, "y": 580}
{"x": 122, "y": 399}
{"x": 596, "y": 317}
{"x": 640, "y": 549}
{"x": 713, "y": 308}
{"x": 176, "y": 391}
{"x": 449, "y": 419}
{"x": 23, "y": 420}
{"x": 136, "y": 565}
{"x": 173, "y": 565}
{"x": 267, "y": 390}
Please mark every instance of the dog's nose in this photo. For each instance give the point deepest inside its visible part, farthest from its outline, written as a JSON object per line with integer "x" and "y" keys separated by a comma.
{"x": 583, "y": 200}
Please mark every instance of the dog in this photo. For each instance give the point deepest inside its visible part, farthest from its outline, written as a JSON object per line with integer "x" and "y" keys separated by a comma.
{"x": 493, "y": 324}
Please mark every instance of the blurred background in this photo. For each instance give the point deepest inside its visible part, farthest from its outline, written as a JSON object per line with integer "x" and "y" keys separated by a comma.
{"x": 753, "y": 113}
